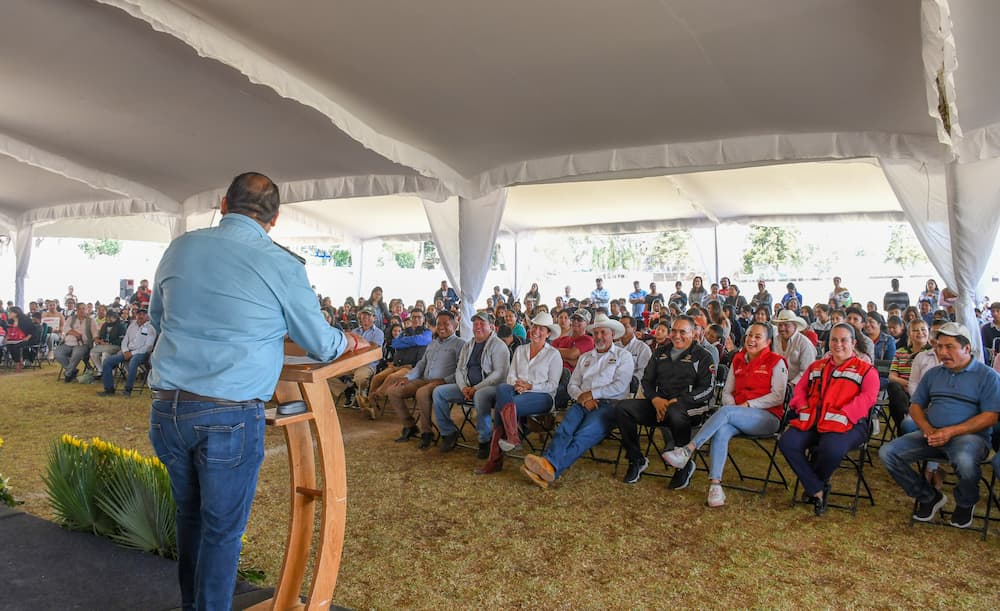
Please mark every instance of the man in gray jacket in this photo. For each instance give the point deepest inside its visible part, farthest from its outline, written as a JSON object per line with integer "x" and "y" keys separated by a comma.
{"x": 482, "y": 366}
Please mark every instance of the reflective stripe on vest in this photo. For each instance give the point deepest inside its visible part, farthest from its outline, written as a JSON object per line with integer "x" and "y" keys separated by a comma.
{"x": 840, "y": 418}
{"x": 850, "y": 375}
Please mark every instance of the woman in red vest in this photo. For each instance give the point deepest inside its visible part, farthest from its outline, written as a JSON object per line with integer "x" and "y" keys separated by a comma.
{"x": 753, "y": 400}
{"x": 831, "y": 403}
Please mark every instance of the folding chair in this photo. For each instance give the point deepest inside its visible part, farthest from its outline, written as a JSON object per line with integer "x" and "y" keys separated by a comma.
{"x": 468, "y": 418}
{"x": 984, "y": 515}
{"x": 851, "y": 463}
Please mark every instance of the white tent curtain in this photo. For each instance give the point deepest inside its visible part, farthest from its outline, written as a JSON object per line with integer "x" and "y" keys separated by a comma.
{"x": 364, "y": 257}
{"x": 23, "y": 259}
{"x": 974, "y": 199}
{"x": 465, "y": 231}
{"x": 953, "y": 211}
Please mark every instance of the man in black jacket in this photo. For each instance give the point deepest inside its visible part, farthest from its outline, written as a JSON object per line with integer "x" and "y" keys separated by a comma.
{"x": 676, "y": 386}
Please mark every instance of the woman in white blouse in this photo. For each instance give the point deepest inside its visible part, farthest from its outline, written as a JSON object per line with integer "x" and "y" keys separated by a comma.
{"x": 531, "y": 385}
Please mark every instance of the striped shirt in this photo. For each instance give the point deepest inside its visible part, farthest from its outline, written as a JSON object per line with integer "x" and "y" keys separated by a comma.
{"x": 902, "y": 363}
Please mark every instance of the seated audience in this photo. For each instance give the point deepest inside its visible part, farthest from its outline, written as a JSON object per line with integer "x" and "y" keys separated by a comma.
{"x": 600, "y": 378}
{"x": 831, "y": 404}
{"x": 108, "y": 340}
{"x": 437, "y": 366}
{"x": 529, "y": 390}
{"x": 955, "y": 407}
{"x": 753, "y": 403}
{"x": 136, "y": 346}
{"x": 407, "y": 350}
{"x": 790, "y": 343}
{"x": 482, "y": 366}
{"x": 21, "y": 333}
{"x": 78, "y": 334}
{"x": 901, "y": 368}
{"x": 676, "y": 385}
{"x": 363, "y": 374}
{"x": 640, "y": 351}
{"x": 570, "y": 346}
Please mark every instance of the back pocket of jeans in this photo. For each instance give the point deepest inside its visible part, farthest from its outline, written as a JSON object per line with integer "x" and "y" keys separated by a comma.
{"x": 221, "y": 445}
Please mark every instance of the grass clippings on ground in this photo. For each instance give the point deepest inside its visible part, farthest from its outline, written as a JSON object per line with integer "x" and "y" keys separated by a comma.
{"x": 424, "y": 532}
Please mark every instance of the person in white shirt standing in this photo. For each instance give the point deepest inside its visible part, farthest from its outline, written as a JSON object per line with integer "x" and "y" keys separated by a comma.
{"x": 136, "y": 348}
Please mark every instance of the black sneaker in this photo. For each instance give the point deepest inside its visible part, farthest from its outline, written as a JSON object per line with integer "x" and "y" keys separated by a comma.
{"x": 682, "y": 477}
{"x": 928, "y": 509}
{"x": 635, "y": 469}
{"x": 484, "y": 450}
{"x": 106, "y": 393}
{"x": 962, "y": 516}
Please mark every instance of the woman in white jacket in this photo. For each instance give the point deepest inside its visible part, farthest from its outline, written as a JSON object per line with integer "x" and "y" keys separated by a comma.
{"x": 531, "y": 386}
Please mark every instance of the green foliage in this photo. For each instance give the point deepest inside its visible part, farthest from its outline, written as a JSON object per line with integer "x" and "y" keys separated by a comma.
{"x": 93, "y": 248}
{"x": 670, "y": 251}
{"x": 138, "y": 499}
{"x": 74, "y": 481}
{"x": 771, "y": 247}
{"x": 429, "y": 257}
{"x": 6, "y": 496}
{"x": 903, "y": 249}
{"x": 405, "y": 260}
{"x": 342, "y": 258}
{"x": 614, "y": 252}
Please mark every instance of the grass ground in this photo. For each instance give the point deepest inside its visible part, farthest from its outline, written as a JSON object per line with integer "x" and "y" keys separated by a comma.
{"x": 424, "y": 532}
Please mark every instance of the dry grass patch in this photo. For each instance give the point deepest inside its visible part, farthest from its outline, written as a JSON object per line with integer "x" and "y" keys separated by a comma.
{"x": 424, "y": 532}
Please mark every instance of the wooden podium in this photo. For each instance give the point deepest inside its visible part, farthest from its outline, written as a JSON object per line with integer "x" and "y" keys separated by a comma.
{"x": 313, "y": 437}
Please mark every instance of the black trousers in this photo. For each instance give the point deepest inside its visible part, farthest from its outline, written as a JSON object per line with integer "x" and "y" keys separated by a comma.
{"x": 899, "y": 403}
{"x": 630, "y": 413}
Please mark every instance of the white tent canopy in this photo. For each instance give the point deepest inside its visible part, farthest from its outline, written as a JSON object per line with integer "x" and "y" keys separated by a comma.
{"x": 147, "y": 107}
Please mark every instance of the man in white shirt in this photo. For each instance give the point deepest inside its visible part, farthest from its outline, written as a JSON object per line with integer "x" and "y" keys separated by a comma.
{"x": 136, "y": 348}
{"x": 601, "y": 377}
{"x": 798, "y": 351}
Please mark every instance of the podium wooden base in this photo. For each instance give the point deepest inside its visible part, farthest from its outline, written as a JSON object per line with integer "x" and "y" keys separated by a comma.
{"x": 313, "y": 437}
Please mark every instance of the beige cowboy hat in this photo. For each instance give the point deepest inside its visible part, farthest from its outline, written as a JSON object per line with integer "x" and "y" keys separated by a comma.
{"x": 790, "y": 316}
{"x": 601, "y": 320}
{"x": 544, "y": 319}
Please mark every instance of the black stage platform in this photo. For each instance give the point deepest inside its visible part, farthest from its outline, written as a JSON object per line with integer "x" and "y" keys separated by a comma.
{"x": 43, "y": 566}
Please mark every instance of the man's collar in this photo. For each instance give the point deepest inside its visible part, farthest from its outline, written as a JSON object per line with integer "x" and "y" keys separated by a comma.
{"x": 242, "y": 219}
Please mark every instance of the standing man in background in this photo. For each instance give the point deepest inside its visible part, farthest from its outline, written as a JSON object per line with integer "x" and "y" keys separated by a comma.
{"x": 212, "y": 374}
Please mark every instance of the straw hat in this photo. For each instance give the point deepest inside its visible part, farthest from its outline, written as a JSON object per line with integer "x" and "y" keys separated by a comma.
{"x": 544, "y": 319}
{"x": 790, "y": 316}
{"x": 603, "y": 322}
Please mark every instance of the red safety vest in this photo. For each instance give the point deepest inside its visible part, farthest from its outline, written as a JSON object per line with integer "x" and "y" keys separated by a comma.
{"x": 830, "y": 389}
{"x": 752, "y": 380}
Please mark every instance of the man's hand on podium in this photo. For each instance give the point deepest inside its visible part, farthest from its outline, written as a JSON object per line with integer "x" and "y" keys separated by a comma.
{"x": 359, "y": 343}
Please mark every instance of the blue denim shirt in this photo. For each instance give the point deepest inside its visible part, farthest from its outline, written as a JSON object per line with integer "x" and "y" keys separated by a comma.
{"x": 223, "y": 300}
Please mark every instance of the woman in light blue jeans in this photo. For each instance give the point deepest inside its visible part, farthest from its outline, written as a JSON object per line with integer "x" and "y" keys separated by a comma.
{"x": 753, "y": 397}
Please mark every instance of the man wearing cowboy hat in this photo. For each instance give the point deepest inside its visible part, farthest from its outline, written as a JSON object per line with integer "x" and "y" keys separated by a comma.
{"x": 601, "y": 377}
{"x": 676, "y": 387}
{"x": 955, "y": 408}
{"x": 789, "y": 342}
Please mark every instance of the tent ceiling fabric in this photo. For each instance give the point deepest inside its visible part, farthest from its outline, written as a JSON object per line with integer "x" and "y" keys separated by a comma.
{"x": 144, "y": 106}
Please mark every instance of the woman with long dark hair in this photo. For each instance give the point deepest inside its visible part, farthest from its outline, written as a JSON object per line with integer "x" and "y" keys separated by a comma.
{"x": 22, "y": 333}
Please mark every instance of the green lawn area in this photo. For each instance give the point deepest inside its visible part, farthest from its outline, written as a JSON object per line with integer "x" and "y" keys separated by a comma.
{"x": 424, "y": 532}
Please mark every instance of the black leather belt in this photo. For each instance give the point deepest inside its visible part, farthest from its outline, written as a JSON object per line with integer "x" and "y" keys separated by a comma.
{"x": 183, "y": 395}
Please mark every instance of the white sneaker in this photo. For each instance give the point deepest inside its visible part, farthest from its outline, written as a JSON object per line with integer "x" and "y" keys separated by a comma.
{"x": 716, "y": 497}
{"x": 678, "y": 457}
{"x": 506, "y": 446}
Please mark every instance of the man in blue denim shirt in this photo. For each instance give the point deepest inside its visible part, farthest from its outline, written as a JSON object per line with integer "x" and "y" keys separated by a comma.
{"x": 212, "y": 373}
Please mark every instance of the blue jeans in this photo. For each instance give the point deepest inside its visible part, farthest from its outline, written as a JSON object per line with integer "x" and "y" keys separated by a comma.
{"x": 579, "y": 431}
{"x": 446, "y": 394}
{"x": 108, "y": 369}
{"x": 965, "y": 452}
{"x": 828, "y": 450}
{"x": 213, "y": 452}
{"x": 525, "y": 404}
{"x": 725, "y": 424}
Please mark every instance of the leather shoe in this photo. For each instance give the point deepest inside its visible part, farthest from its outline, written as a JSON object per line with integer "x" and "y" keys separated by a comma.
{"x": 408, "y": 433}
{"x": 484, "y": 450}
{"x": 540, "y": 466}
{"x": 449, "y": 441}
{"x": 426, "y": 439}
{"x": 821, "y": 505}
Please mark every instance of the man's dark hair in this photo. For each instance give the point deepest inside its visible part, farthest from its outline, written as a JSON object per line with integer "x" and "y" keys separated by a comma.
{"x": 688, "y": 319}
{"x": 504, "y": 332}
{"x": 895, "y": 284}
{"x": 254, "y": 195}
{"x": 447, "y": 313}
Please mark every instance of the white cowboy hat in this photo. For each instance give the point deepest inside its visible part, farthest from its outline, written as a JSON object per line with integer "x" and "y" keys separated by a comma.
{"x": 601, "y": 320}
{"x": 544, "y": 319}
{"x": 790, "y": 316}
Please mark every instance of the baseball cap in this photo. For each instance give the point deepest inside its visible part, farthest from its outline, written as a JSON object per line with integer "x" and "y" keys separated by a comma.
{"x": 483, "y": 316}
{"x": 367, "y": 310}
{"x": 582, "y": 314}
{"x": 954, "y": 329}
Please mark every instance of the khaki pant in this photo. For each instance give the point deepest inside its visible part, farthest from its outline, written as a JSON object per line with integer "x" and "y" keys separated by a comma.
{"x": 99, "y": 351}
{"x": 361, "y": 375}
{"x": 389, "y": 373}
{"x": 421, "y": 391}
